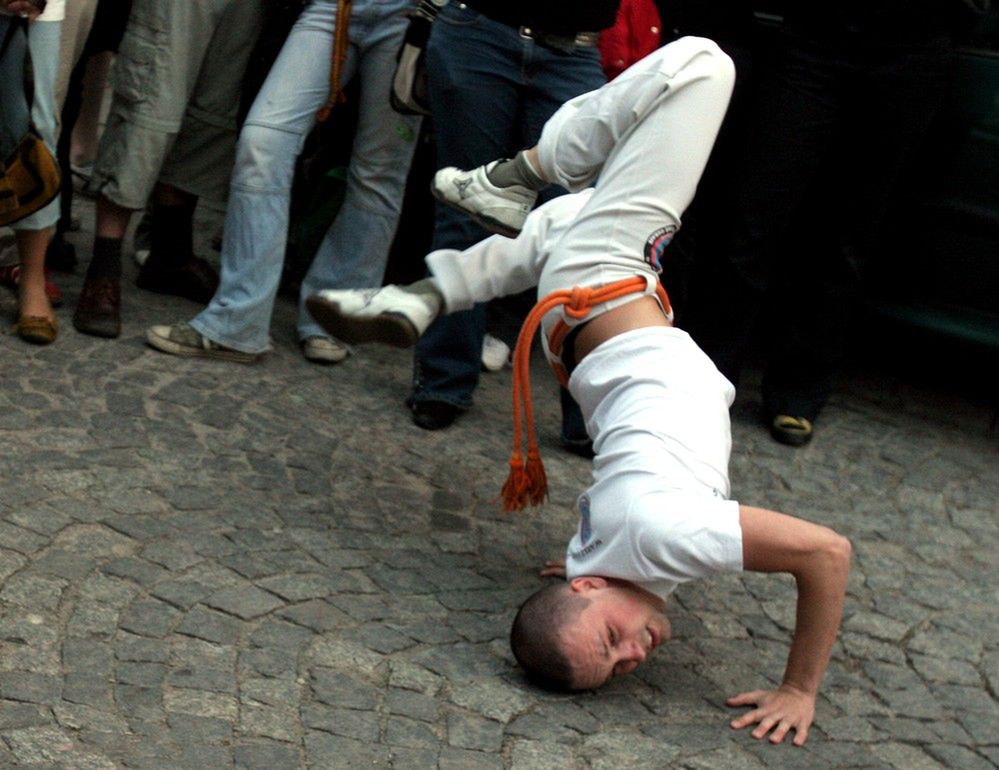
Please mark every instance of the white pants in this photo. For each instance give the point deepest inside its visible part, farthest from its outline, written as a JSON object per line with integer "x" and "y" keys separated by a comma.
{"x": 645, "y": 137}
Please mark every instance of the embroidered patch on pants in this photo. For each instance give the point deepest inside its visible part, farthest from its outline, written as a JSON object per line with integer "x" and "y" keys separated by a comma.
{"x": 656, "y": 244}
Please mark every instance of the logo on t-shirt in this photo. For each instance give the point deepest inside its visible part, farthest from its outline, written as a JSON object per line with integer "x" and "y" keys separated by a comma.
{"x": 656, "y": 244}
{"x": 585, "y": 533}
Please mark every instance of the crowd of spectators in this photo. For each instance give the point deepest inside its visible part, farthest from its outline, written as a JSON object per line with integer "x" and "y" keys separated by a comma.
{"x": 216, "y": 101}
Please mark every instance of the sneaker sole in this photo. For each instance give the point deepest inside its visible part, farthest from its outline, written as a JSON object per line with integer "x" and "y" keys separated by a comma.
{"x": 790, "y": 437}
{"x": 388, "y": 328}
{"x": 167, "y": 345}
{"x": 492, "y": 225}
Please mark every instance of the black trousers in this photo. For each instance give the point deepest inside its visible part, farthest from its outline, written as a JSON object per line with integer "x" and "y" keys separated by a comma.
{"x": 833, "y": 126}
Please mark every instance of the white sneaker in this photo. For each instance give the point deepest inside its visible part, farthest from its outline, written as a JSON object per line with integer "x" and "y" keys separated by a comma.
{"x": 388, "y": 315}
{"x": 495, "y": 353}
{"x": 498, "y": 209}
{"x": 323, "y": 350}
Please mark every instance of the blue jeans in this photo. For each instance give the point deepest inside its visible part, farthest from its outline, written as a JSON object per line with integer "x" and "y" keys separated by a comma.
{"x": 43, "y": 40}
{"x": 491, "y": 92}
{"x": 355, "y": 249}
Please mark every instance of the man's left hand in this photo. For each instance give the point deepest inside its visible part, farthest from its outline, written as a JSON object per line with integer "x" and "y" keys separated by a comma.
{"x": 779, "y": 710}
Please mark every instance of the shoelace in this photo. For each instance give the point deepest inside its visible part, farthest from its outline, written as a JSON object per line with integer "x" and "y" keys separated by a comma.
{"x": 527, "y": 481}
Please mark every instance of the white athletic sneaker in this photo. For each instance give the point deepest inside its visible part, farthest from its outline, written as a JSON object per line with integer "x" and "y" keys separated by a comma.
{"x": 388, "y": 315}
{"x": 498, "y": 209}
{"x": 495, "y": 353}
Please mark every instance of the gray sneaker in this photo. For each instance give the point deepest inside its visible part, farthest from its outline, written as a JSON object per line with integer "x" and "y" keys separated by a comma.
{"x": 498, "y": 209}
{"x": 183, "y": 340}
{"x": 323, "y": 350}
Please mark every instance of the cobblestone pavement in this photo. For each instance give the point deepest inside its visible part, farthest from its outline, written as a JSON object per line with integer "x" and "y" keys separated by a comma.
{"x": 208, "y": 565}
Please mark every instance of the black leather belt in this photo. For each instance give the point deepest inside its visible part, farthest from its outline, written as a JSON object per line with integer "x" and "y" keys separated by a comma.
{"x": 563, "y": 43}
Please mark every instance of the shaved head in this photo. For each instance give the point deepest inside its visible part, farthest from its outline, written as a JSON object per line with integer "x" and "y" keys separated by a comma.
{"x": 536, "y": 637}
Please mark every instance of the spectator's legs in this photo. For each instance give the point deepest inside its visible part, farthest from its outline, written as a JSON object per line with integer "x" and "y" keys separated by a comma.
{"x": 482, "y": 77}
{"x": 158, "y": 65}
{"x": 893, "y": 98}
{"x": 256, "y": 222}
{"x": 794, "y": 122}
{"x": 355, "y": 249}
{"x": 35, "y": 231}
{"x": 200, "y": 160}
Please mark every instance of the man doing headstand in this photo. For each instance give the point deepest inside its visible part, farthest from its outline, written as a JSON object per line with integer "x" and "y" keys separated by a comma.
{"x": 657, "y": 513}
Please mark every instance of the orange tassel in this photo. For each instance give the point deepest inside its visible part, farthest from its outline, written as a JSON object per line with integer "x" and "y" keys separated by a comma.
{"x": 514, "y": 491}
{"x": 537, "y": 479}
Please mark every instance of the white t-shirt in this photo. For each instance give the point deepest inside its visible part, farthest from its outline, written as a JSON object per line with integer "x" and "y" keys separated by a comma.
{"x": 657, "y": 513}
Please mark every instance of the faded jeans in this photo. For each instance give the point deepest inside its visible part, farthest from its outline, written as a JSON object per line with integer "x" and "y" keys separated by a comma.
{"x": 355, "y": 248}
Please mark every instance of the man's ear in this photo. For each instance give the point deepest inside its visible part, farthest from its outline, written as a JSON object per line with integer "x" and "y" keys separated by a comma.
{"x": 585, "y": 583}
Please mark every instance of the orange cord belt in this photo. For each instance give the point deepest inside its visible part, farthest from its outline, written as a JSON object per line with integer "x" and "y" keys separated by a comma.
{"x": 527, "y": 482}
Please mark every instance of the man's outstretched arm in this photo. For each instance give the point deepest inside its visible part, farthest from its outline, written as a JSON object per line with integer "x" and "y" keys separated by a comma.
{"x": 819, "y": 559}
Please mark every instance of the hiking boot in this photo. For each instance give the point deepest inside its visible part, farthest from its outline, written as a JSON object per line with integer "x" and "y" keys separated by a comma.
{"x": 184, "y": 340}
{"x": 498, "y": 209}
{"x": 388, "y": 315}
{"x": 98, "y": 311}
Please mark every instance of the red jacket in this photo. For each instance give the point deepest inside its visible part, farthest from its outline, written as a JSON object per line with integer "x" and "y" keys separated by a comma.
{"x": 636, "y": 33}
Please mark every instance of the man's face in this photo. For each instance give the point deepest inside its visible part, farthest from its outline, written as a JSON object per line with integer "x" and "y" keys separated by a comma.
{"x": 616, "y": 631}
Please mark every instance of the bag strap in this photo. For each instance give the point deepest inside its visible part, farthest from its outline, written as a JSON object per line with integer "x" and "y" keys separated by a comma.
{"x": 341, "y": 41}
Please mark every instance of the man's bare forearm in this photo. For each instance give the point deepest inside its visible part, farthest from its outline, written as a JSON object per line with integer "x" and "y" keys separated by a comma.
{"x": 821, "y": 590}
{"x": 819, "y": 560}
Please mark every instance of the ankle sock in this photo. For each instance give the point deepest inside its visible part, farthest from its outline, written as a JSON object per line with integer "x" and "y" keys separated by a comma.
{"x": 106, "y": 262}
{"x": 518, "y": 170}
{"x": 428, "y": 291}
{"x": 171, "y": 233}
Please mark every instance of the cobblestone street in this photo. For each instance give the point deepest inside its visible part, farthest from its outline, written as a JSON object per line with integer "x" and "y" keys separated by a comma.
{"x": 208, "y": 565}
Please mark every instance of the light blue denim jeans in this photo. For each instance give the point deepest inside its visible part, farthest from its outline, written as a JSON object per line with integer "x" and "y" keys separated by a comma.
{"x": 43, "y": 40}
{"x": 355, "y": 249}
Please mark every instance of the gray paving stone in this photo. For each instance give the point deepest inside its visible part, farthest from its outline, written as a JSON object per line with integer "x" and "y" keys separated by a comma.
{"x": 182, "y": 594}
{"x": 29, "y": 687}
{"x": 350, "y": 723}
{"x": 267, "y": 662}
{"x": 461, "y": 759}
{"x": 201, "y": 729}
{"x": 341, "y": 689}
{"x": 410, "y": 733}
{"x": 950, "y": 755}
{"x": 317, "y": 615}
{"x": 265, "y": 755}
{"x": 244, "y": 601}
{"x": 137, "y": 648}
{"x": 148, "y": 617}
{"x": 212, "y": 626}
{"x": 88, "y": 690}
{"x": 15, "y": 715}
{"x": 467, "y": 731}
